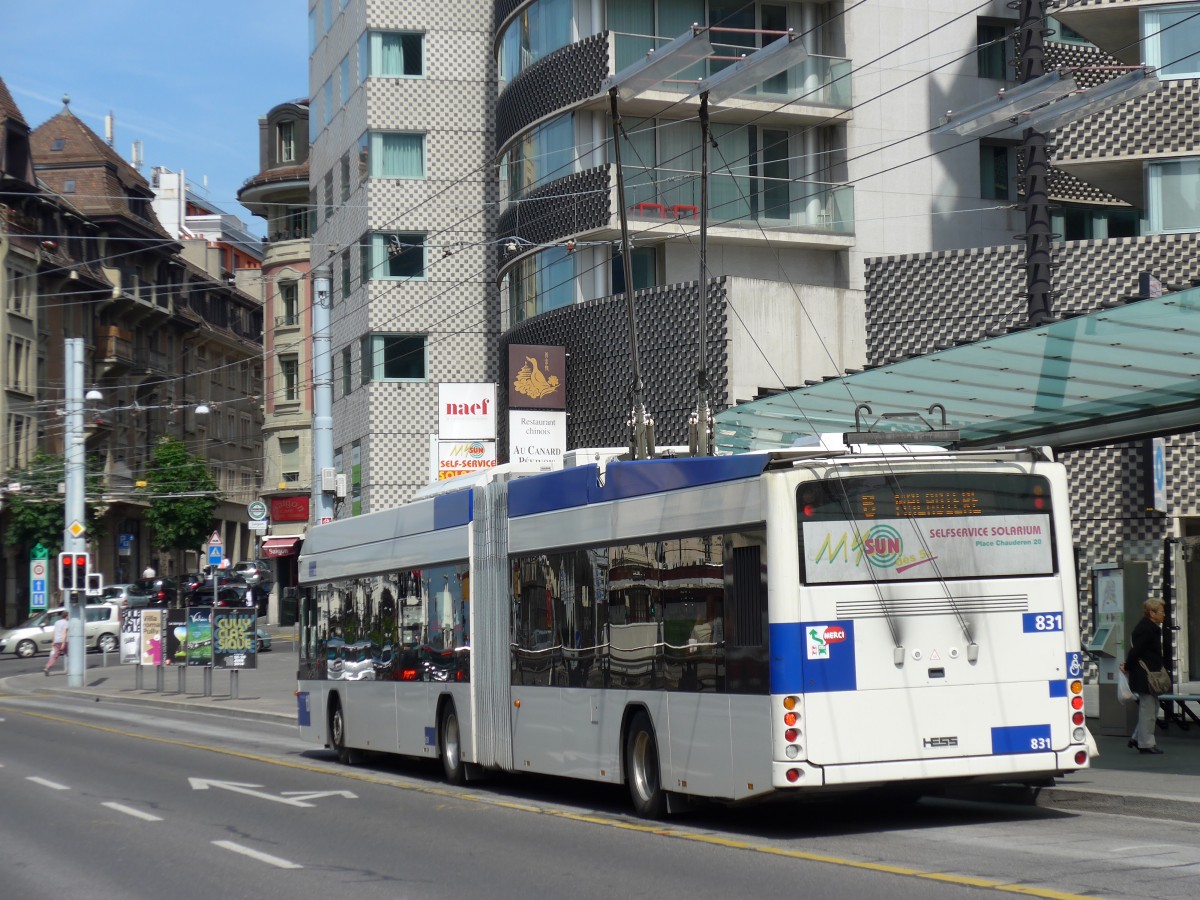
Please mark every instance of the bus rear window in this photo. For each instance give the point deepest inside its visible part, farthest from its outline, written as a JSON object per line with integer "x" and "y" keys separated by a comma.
{"x": 925, "y": 525}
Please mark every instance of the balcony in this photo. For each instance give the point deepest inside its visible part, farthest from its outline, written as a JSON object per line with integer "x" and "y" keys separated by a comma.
{"x": 819, "y": 81}
{"x": 661, "y": 197}
{"x": 114, "y": 347}
{"x": 291, "y": 320}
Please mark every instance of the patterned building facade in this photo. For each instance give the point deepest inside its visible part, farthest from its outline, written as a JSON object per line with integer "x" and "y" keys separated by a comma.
{"x": 400, "y": 116}
{"x": 1132, "y": 172}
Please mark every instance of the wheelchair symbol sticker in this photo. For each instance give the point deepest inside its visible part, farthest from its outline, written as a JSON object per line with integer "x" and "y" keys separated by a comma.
{"x": 1074, "y": 665}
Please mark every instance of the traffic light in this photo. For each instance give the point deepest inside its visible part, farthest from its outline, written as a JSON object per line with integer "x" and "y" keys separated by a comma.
{"x": 73, "y": 571}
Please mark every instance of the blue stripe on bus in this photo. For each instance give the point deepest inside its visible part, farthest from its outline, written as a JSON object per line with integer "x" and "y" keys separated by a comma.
{"x": 450, "y": 510}
{"x": 1021, "y": 739}
{"x": 813, "y": 657}
{"x": 580, "y": 486}
{"x": 1058, "y": 689}
{"x": 303, "y": 713}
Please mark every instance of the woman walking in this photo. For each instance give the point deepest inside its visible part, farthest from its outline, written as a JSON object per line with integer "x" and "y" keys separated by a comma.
{"x": 1146, "y": 646}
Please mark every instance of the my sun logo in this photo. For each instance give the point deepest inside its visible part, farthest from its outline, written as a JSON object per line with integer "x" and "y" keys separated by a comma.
{"x": 882, "y": 546}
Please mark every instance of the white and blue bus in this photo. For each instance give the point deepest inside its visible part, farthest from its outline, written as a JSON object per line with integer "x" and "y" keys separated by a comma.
{"x": 734, "y": 628}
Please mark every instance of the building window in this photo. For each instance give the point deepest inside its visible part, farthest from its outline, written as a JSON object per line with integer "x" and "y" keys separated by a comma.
{"x": 356, "y": 478}
{"x": 645, "y": 266}
{"x": 1174, "y": 196}
{"x": 543, "y": 154}
{"x": 391, "y": 54}
{"x": 312, "y": 29}
{"x": 996, "y": 51}
{"x": 327, "y": 102}
{"x": 541, "y": 282}
{"x": 347, "y": 377}
{"x": 20, "y": 291}
{"x": 540, "y": 29}
{"x": 993, "y": 172}
{"x": 389, "y": 154}
{"x": 345, "y": 179}
{"x": 328, "y": 194}
{"x": 364, "y": 359}
{"x": 288, "y": 303}
{"x": 345, "y": 274}
{"x": 17, "y": 375}
{"x": 285, "y": 141}
{"x": 20, "y": 437}
{"x": 397, "y": 357}
{"x": 289, "y": 372}
{"x": 69, "y": 186}
{"x": 1173, "y": 40}
{"x": 393, "y": 255}
{"x": 289, "y": 459}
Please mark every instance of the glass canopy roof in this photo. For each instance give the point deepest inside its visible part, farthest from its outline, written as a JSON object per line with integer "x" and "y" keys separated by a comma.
{"x": 1125, "y": 371}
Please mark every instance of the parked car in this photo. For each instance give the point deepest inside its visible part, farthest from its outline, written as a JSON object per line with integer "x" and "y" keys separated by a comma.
{"x": 101, "y": 630}
{"x": 203, "y": 595}
{"x": 116, "y": 593}
{"x": 254, "y": 571}
{"x": 153, "y": 592}
{"x": 262, "y": 639}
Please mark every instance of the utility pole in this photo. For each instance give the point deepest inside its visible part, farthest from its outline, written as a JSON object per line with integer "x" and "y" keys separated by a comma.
{"x": 642, "y": 440}
{"x": 75, "y": 506}
{"x": 1037, "y": 235}
{"x": 700, "y": 443}
{"x": 322, "y": 369}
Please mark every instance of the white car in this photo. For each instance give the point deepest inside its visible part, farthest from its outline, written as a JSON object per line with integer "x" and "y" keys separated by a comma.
{"x": 101, "y": 630}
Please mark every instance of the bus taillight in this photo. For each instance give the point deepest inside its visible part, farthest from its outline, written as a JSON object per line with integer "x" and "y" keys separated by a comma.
{"x": 1077, "y": 717}
{"x": 790, "y": 719}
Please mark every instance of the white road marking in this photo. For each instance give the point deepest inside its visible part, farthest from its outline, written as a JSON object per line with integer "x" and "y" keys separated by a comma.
{"x": 130, "y": 811}
{"x": 46, "y": 783}
{"x": 261, "y": 857}
{"x": 203, "y": 784}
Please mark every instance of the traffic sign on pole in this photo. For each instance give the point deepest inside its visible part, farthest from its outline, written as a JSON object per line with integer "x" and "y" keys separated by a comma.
{"x": 215, "y": 539}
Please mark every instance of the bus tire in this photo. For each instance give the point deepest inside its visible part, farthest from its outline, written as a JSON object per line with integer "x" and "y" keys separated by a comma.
{"x": 642, "y": 772}
{"x": 347, "y": 756}
{"x": 450, "y": 745}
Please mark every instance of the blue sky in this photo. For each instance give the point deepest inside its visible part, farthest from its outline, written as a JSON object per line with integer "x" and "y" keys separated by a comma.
{"x": 189, "y": 80}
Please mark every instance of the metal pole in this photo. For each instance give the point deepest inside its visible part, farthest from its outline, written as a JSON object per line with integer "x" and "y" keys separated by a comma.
{"x": 1037, "y": 235}
{"x": 639, "y": 444}
{"x": 74, "y": 510}
{"x": 322, "y": 363}
{"x": 702, "y": 448}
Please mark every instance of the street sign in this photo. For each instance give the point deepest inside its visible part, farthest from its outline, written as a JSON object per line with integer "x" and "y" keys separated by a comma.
{"x": 215, "y": 539}
{"x": 258, "y": 525}
{"x": 257, "y": 510}
{"x": 39, "y": 576}
{"x": 214, "y": 554}
{"x": 76, "y": 528}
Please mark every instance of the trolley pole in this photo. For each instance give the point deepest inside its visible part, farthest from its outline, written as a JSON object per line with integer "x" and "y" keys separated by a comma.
{"x": 75, "y": 507}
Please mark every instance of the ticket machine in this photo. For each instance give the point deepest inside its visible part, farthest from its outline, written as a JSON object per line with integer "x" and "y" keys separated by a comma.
{"x": 1118, "y": 592}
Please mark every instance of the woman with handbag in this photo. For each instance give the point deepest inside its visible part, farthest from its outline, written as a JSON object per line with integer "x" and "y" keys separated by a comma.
{"x": 1147, "y": 673}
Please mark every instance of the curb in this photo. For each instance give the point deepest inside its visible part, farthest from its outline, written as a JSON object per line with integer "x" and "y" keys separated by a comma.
{"x": 1140, "y": 805}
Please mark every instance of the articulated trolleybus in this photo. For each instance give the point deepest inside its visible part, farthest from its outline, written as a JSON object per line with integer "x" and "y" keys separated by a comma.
{"x": 734, "y": 628}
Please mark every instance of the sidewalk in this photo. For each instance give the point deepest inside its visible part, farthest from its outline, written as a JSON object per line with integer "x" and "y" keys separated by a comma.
{"x": 1120, "y": 780}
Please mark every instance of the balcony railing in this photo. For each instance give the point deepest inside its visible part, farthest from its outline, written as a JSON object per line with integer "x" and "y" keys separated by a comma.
{"x": 819, "y": 80}
{"x": 741, "y": 200}
{"x": 287, "y": 321}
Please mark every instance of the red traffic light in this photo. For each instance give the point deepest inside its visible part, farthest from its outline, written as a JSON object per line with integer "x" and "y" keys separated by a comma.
{"x": 73, "y": 571}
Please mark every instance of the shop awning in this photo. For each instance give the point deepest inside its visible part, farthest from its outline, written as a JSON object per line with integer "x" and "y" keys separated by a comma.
{"x": 1123, "y": 372}
{"x": 280, "y": 546}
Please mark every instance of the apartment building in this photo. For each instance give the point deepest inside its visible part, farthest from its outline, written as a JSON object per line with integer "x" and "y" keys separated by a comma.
{"x": 171, "y": 349}
{"x": 401, "y": 142}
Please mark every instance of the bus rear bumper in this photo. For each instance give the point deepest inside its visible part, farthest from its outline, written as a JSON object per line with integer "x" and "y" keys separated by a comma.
{"x": 1016, "y": 767}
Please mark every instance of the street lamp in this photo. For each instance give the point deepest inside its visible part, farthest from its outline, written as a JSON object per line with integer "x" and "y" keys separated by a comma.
{"x": 203, "y": 410}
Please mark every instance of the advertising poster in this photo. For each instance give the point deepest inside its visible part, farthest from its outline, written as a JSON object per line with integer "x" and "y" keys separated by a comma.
{"x": 464, "y": 457}
{"x": 199, "y": 636}
{"x": 175, "y": 638}
{"x": 537, "y": 437}
{"x": 913, "y": 549}
{"x": 233, "y": 639}
{"x": 131, "y": 637}
{"x": 466, "y": 412}
{"x": 152, "y": 637}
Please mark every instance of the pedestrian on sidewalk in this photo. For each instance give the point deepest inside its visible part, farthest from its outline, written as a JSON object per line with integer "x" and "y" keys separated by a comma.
{"x": 58, "y": 643}
{"x": 1146, "y": 646}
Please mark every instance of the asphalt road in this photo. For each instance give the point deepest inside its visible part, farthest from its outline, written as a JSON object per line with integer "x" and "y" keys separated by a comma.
{"x": 115, "y": 800}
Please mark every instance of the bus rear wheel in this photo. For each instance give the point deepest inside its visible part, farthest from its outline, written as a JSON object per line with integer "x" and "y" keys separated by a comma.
{"x": 451, "y": 746}
{"x": 642, "y": 769}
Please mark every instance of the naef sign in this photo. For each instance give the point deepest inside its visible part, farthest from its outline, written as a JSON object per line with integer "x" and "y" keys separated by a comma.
{"x": 466, "y": 412}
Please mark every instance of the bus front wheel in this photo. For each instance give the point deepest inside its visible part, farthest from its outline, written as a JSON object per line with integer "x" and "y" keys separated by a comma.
{"x": 451, "y": 746}
{"x": 642, "y": 769}
{"x": 347, "y": 756}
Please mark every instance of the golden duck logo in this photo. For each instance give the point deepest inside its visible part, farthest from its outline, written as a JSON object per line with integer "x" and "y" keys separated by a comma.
{"x": 534, "y": 383}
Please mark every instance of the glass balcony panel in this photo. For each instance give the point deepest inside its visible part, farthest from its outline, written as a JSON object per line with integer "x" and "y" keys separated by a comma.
{"x": 820, "y": 80}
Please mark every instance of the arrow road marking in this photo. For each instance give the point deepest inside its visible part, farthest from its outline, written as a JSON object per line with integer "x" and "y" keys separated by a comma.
{"x": 317, "y": 795}
{"x": 291, "y": 798}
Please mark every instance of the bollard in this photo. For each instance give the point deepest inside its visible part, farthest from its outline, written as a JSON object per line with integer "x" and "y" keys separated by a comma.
{"x": 183, "y": 679}
{"x": 233, "y": 684}
{"x": 137, "y": 679}
{"x": 208, "y": 681}
{"x": 158, "y": 678}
